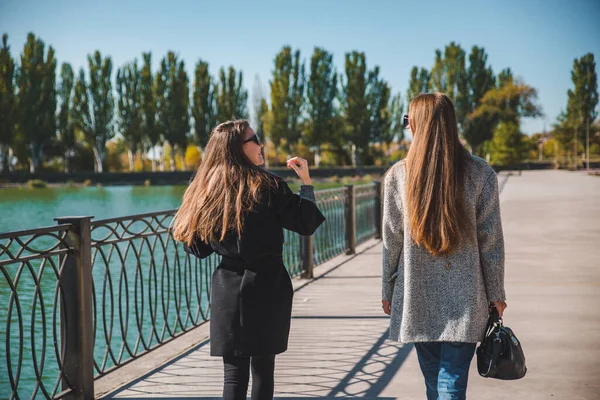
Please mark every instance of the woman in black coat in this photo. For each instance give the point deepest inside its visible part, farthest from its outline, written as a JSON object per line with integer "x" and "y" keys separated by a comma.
{"x": 237, "y": 209}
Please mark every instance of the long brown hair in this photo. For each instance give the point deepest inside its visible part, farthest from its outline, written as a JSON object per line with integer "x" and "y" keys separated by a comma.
{"x": 435, "y": 168}
{"x": 224, "y": 189}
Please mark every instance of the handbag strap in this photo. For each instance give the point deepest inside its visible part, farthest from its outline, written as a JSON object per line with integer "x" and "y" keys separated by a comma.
{"x": 495, "y": 351}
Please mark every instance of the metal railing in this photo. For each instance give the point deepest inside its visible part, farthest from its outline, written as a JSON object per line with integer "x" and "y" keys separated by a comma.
{"x": 84, "y": 298}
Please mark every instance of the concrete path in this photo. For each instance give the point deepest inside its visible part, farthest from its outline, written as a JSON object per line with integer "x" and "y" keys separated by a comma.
{"x": 338, "y": 348}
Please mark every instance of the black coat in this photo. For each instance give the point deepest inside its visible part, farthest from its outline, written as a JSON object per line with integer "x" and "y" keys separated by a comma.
{"x": 251, "y": 299}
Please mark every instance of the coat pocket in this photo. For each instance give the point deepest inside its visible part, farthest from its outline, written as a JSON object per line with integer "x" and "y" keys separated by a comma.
{"x": 393, "y": 277}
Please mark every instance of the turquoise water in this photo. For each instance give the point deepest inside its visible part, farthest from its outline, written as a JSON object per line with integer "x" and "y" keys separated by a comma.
{"x": 33, "y": 208}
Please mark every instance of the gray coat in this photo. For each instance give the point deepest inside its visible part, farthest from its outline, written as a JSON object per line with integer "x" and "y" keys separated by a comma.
{"x": 443, "y": 298}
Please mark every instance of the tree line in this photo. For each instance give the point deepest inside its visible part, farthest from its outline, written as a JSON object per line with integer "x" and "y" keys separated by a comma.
{"x": 332, "y": 117}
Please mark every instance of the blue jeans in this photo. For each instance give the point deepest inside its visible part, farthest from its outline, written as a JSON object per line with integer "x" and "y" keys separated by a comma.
{"x": 445, "y": 367}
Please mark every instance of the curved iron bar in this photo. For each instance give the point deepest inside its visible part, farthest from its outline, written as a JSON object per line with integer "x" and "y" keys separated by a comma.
{"x": 329, "y": 238}
{"x": 365, "y": 196}
{"x": 28, "y": 265}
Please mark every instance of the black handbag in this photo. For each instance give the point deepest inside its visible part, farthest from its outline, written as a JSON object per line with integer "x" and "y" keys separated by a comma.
{"x": 500, "y": 354}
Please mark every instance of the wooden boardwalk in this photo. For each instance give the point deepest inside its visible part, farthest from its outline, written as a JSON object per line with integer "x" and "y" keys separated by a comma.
{"x": 338, "y": 346}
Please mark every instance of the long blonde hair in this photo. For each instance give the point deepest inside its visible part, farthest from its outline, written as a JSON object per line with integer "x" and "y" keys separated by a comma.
{"x": 224, "y": 189}
{"x": 435, "y": 167}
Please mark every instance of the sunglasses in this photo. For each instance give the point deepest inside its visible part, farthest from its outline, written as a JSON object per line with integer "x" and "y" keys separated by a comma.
{"x": 405, "y": 121}
{"x": 254, "y": 139}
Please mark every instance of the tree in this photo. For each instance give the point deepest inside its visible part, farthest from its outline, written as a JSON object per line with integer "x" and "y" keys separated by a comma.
{"x": 148, "y": 102}
{"x": 420, "y": 82}
{"x": 480, "y": 80}
{"x": 173, "y": 105}
{"x": 396, "y": 131}
{"x": 321, "y": 93}
{"x": 505, "y": 77}
{"x": 203, "y": 110}
{"x": 261, "y": 115}
{"x": 378, "y": 97}
{"x": 508, "y": 103}
{"x": 66, "y": 123}
{"x": 355, "y": 105}
{"x": 93, "y": 106}
{"x": 232, "y": 98}
{"x": 449, "y": 76}
{"x": 8, "y": 104}
{"x": 438, "y": 74}
{"x": 287, "y": 98}
{"x": 37, "y": 97}
{"x": 583, "y": 99}
{"x": 508, "y": 146}
{"x": 130, "y": 111}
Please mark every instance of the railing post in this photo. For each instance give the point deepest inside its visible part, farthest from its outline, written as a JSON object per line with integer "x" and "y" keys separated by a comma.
{"x": 350, "y": 216}
{"x": 307, "y": 256}
{"x": 378, "y": 209}
{"x": 77, "y": 327}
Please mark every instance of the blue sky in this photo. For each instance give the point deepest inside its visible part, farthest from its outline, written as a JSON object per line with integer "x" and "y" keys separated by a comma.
{"x": 538, "y": 39}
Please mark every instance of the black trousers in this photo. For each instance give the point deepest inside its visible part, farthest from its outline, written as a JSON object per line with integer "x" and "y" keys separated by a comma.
{"x": 237, "y": 374}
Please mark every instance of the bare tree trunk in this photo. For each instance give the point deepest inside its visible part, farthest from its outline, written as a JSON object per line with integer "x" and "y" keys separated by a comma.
{"x": 131, "y": 160}
{"x": 587, "y": 144}
{"x": 98, "y": 161}
{"x": 354, "y": 155}
{"x": 4, "y": 159}
{"x": 575, "y": 152}
{"x": 318, "y": 157}
{"x": 36, "y": 157}
{"x": 183, "y": 166}
{"x": 162, "y": 158}
{"x": 67, "y": 161}
{"x": 153, "y": 158}
{"x": 172, "y": 158}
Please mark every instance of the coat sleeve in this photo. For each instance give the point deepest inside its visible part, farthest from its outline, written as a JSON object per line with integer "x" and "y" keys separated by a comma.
{"x": 393, "y": 237}
{"x": 297, "y": 213}
{"x": 199, "y": 248}
{"x": 490, "y": 239}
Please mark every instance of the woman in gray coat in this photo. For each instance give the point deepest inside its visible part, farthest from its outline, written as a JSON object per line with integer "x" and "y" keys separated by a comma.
{"x": 443, "y": 258}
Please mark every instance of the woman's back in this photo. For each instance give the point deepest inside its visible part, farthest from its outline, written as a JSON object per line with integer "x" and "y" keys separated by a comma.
{"x": 262, "y": 235}
{"x": 444, "y": 298}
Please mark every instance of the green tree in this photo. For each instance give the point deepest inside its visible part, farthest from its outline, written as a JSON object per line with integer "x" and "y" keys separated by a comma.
{"x": 261, "y": 115}
{"x": 8, "y": 104}
{"x": 507, "y": 105}
{"x": 203, "y": 110}
{"x": 66, "y": 123}
{"x": 510, "y": 102}
{"x": 505, "y": 77}
{"x": 355, "y": 105}
{"x": 562, "y": 132}
{"x": 287, "y": 98}
{"x": 232, "y": 98}
{"x": 173, "y": 105}
{"x": 148, "y": 100}
{"x": 480, "y": 78}
{"x": 583, "y": 99}
{"x": 321, "y": 93}
{"x": 130, "y": 111}
{"x": 93, "y": 106}
{"x": 420, "y": 82}
{"x": 396, "y": 131}
{"x": 378, "y": 97}
{"x": 438, "y": 73}
{"x": 37, "y": 97}
{"x": 449, "y": 76}
{"x": 508, "y": 146}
